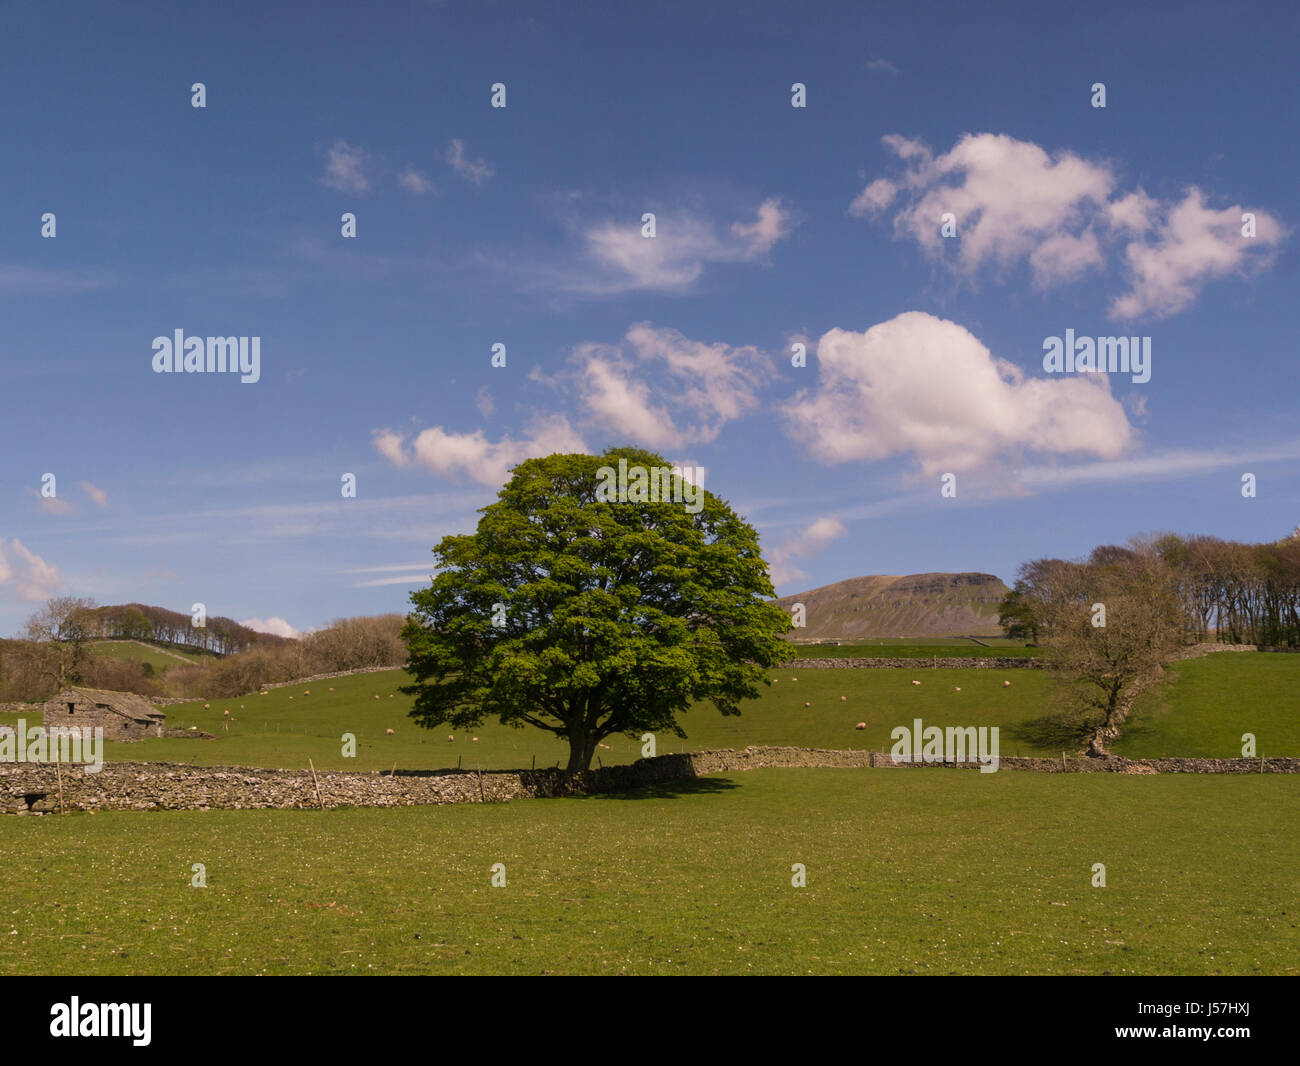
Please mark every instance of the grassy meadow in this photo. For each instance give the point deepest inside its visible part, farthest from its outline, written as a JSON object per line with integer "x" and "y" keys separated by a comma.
{"x": 1203, "y": 707}
{"x": 287, "y": 726}
{"x": 908, "y": 872}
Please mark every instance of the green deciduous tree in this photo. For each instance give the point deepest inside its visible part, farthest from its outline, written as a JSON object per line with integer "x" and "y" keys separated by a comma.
{"x": 589, "y": 618}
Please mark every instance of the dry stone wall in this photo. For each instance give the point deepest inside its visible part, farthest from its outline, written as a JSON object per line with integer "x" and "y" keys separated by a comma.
{"x": 34, "y": 788}
{"x": 898, "y": 663}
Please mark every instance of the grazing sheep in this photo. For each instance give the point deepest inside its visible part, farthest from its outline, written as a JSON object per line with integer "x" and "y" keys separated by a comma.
{"x": 844, "y": 699}
{"x": 331, "y": 688}
{"x": 475, "y": 740}
{"x": 1006, "y": 684}
{"x": 861, "y": 725}
{"x": 225, "y": 714}
{"x": 376, "y": 696}
{"x": 451, "y": 736}
{"x": 307, "y": 693}
{"x": 206, "y": 706}
{"x": 390, "y": 732}
{"x": 807, "y": 704}
{"x": 958, "y": 687}
{"x": 916, "y": 682}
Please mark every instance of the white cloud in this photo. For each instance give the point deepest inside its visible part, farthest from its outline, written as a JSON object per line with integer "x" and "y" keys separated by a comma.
{"x": 1132, "y": 213}
{"x": 475, "y": 170}
{"x": 97, "y": 494}
{"x": 23, "y": 278}
{"x": 925, "y": 386}
{"x": 883, "y": 66}
{"x": 1009, "y": 198}
{"x": 413, "y": 181}
{"x": 404, "y": 579}
{"x": 1062, "y": 216}
{"x": 1191, "y": 245}
{"x": 277, "y": 626}
{"x": 663, "y": 390}
{"x": 346, "y": 168}
{"x": 1165, "y": 465}
{"x": 451, "y": 454}
{"x": 806, "y": 544}
{"x": 875, "y": 197}
{"x": 622, "y": 260}
{"x": 32, "y": 577}
{"x": 773, "y": 224}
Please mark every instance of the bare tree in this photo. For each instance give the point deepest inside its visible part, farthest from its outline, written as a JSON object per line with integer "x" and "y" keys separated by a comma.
{"x": 1129, "y": 623}
{"x": 64, "y": 625}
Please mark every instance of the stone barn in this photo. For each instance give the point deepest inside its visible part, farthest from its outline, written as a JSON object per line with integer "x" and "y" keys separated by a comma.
{"x": 123, "y": 715}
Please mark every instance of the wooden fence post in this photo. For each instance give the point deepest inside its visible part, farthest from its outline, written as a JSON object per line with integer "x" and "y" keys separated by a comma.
{"x": 317, "y": 781}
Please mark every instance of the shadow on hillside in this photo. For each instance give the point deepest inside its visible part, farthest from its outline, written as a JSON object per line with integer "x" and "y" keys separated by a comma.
{"x": 688, "y": 786}
{"x": 1055, "y": 732}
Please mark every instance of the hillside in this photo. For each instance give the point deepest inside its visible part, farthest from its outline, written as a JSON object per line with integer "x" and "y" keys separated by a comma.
{"x": 916, "y": 605}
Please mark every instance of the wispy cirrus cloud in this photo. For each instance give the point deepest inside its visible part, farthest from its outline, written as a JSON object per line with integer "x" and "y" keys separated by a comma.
{"x": 414, "y": 181}
{"x": 21, "y": 278}
{"x": 346, "y": 168}
{"x": 617, "y": 257}
{"x": 805, "y": 544}
{"x": 476, "y": 171}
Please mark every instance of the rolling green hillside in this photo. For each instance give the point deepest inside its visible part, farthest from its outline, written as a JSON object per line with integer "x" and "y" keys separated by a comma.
{"x": 1205, "y": 706}
{"x": 287, "y": 726}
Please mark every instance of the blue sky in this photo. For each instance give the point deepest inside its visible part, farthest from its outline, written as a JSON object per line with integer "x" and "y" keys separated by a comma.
{"x": 521, "y": 225}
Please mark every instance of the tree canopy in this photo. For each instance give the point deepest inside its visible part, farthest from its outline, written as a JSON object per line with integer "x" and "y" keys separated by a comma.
{"x": 586, "y": 616}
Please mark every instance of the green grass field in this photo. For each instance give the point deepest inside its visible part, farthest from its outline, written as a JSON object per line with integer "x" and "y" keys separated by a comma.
{"x": 287, "y": 726}
{"x": 1205, "y": 705}
{"x": 1202, "y": 710}
{"x": 158, "y": 658}
{"x": 913, "y": 872}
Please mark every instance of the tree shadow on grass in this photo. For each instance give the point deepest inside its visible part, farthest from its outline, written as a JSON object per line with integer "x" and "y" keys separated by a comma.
{"x": 1062, "y": 731}
{"x": 687, "y": 786}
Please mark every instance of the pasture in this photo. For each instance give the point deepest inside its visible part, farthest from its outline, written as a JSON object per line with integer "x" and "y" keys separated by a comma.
{"x": 288, "y": 726}
{"x": 1204, "y": 706}
{"x": 908, "y": 872}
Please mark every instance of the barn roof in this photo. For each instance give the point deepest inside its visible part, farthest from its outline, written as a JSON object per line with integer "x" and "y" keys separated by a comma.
{"x": 127, "y": 704}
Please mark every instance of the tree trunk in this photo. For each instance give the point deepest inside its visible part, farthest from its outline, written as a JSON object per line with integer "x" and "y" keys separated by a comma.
{"x": 582, "y": 747}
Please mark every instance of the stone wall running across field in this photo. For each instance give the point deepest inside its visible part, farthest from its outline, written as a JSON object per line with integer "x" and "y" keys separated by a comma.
{"x": 34, "y": 788}
{"x": 899, "y": 663}
{"x": 325, "y": 677}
